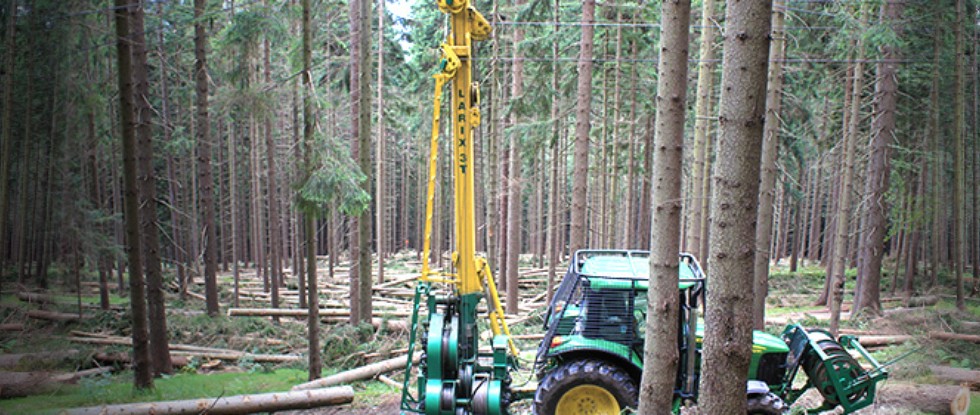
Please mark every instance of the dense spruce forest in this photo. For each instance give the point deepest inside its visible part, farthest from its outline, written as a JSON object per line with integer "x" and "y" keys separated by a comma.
{"x": 211, "y": 198}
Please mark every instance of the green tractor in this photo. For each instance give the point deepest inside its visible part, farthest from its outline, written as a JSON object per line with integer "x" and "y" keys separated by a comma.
{"x": 591, "y": 357}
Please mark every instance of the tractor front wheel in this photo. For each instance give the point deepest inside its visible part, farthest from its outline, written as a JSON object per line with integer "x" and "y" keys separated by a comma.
{"x": 768, "y": 404}
{"x": 585, "y": 387}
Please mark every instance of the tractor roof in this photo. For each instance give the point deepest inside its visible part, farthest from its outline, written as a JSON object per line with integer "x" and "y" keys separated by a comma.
{"x": 629, "y": 269}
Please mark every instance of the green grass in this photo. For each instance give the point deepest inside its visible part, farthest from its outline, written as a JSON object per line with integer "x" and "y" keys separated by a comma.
{"x": 119, "y": 389}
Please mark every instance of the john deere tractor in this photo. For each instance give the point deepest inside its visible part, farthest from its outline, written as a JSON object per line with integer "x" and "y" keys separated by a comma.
{"x": 591, "y": 357}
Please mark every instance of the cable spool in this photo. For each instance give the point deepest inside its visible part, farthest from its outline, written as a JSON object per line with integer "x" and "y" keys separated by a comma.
{"x": 845, "y": 369}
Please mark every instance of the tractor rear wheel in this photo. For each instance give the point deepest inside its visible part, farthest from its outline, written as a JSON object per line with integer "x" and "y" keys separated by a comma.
{"x": 585, "y": 387}
{"x": 768, "y": 404}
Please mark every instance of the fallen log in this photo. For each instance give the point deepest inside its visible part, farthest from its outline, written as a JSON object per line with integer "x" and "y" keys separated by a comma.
{"x": 361, "y": 373}
{"x": 389, "y": 381}
{"x": 240, "y": 404}
{"x": 18, "y": 384}
{"x": 908, "y": 397}
{"x": 955, "y": 336}
{"x": 922, "y": 301}
{"x": 52, "y": 316}
{"x": 958, "y": 375}
{"x": 961, "y": 402}
{"x": 11, "y": 327}
{"x": 877, "y": 341}
{"x": 11, "y": 361}
{"x": 236, "y": 356}
{"x": 393, "y": 325}
{"x": 300, "y": 312}
{"x": 122, "y": 358}
{"x": 198, "y": 351}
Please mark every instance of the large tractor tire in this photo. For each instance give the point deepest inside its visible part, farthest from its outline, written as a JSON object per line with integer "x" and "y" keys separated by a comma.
{"x": 768, "y": 404}
{"x": 585, "y": 387}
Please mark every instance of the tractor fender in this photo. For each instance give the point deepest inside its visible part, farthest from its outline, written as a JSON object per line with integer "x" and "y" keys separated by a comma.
{"x": 614, "y": 359}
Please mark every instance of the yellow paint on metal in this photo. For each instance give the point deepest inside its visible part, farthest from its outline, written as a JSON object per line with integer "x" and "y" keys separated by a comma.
{"x": 472, "y": 274}
{"x": 588, "y": 400}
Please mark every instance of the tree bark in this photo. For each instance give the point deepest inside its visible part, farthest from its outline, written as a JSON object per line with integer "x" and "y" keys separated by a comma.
{"x": 272, "y": 196}
{"x": 360, "y": 273}
{"x": 515, "y": 184}
{"x": 734, "y": 202}
{"x": 702, "y": 126}
{"x": 5, "y": 134}
{"x": 553, "y": 220}
{"x": 935, "y": 140}
{"x": 836, "y": 291}
{"x": 959, "y": 167}
{"x": 767, "y": 180}
{"x": 309, "y": 230}
{"x": 143, "y": 378}
{"x": 661, "y": 354}
{"x": 580, "y": 184}
{"x": 156, "y": 303}
{"x": 867, "y": 299}
{"x": 379, "y": 161}
{"x": 204, "y": 158}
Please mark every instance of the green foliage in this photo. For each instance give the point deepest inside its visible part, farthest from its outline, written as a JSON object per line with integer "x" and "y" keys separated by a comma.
{"x": 336, "y": 182}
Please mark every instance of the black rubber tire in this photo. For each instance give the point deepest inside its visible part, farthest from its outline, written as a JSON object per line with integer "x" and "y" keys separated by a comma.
{"x": 573, "y": 373}
{"x": 768, "y": 404}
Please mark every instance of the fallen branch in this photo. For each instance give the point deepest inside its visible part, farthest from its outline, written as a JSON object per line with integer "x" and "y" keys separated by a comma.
{"x": 361, "y": 373}
{"x": 240, "y": 404}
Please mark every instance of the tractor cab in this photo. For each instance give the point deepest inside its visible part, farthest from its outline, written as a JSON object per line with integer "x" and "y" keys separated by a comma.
{"x": 597, "y": 322}
{"x": 591, "y": 357}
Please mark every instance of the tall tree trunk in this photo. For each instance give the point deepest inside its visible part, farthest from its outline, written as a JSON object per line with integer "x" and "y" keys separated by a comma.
{"x": 233, "y": 207}
{"x": 959, "y": 167}
{"x": 360, "y": 272}
{"x": 159, "y": 349}
{"x": 976, "y": 163}
{"x": 143, "y": 378}
{"x": 272, "y": 197}
{"x": 702, "y": 125}
{"x": 309, "y": 231}
{"x": 767, "y": 181}
{"x": 5, "y": 134}
{"x": 734, "y": 202}
{"x": 867, "y": 299}
{"x": 836, "y": 292}
{"x": 917, "y": 225}
{"x": 204, "y": 158}
{"x": 515, "y": 183}
{"x": 663, "y": 307}
{"x": 553, "y": 220}
{"x": 645, "y": 194}
{"x": 379, "y": 199}
{"x": 583, "y": 110}
{"x": 935, "y": 140}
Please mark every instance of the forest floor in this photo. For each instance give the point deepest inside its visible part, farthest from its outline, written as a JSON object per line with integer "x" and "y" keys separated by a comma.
{"x": 271, "y": 355}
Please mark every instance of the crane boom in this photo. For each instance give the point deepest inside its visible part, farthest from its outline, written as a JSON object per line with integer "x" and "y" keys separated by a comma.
{"x": 453, "y": 376}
